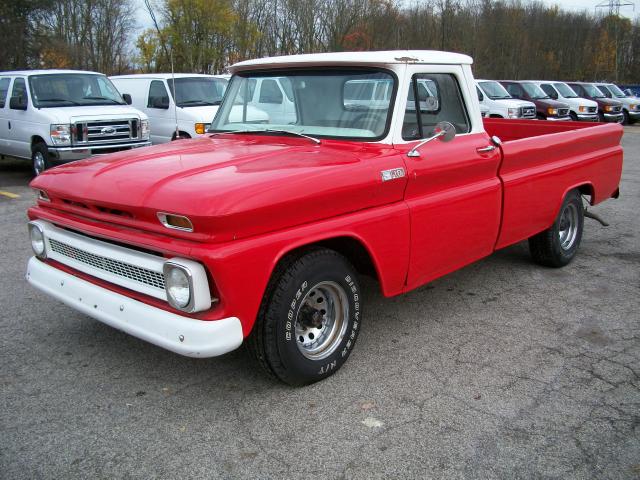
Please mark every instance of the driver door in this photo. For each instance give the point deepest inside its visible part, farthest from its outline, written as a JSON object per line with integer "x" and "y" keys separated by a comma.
{"x": 453, "y": 191}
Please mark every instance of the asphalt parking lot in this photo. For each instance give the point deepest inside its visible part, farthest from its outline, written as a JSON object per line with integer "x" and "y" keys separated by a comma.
{"x": 501, "y": 370}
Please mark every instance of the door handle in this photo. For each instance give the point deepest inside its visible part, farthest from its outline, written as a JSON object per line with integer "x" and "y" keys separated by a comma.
{"x": 487, "y": 149}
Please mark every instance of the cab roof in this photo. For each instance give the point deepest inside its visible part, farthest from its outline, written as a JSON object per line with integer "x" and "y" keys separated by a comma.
{"x": 380, "y": 58}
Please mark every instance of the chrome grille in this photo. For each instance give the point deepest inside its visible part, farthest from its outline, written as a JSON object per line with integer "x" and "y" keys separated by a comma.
{"x": 107, "y": 131}
{"x": 592, "y": 109}
{"x": 528, "y": 112}
{"x": 115, "y": 267}
{"x": 617, "y": 109}
{"x": 563, "y": 112}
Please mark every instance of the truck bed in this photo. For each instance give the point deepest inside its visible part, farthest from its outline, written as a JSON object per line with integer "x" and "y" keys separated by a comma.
{"x": 543, "y": 160}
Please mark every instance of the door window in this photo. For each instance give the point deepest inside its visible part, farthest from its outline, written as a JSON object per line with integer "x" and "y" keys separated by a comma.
{"x": 19, "y": 88}
{"x": 438, "y": 99}
{"x": 549, "y": 90}
{"x": 158, "y": 96}
{"x": 270, "y": 92}
{"x": 4, "y": 89}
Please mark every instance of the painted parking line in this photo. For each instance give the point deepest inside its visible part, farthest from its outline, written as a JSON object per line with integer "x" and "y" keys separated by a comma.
{"x": 9, "y": 194}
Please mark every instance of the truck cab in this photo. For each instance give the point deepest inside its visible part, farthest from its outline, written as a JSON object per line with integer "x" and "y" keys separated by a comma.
{"x": 582, "y": 109}
{"x": 501, "y": 104}
{"x": 546, "y": 107}
{"x": 56, "y": 116}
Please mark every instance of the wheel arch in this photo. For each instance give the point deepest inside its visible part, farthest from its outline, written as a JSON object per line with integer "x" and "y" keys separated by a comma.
{"x": 35, "y": 139}
{"x": 180, "y": 133}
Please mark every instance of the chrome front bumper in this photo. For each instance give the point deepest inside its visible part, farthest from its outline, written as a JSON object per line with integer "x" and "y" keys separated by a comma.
{"x": 559, "y": 119}
{"x": 613, "y": 117}
{"x": 179, "y": 334}
{"x": 68, "y": 154}
{"x": 587, "y": 117}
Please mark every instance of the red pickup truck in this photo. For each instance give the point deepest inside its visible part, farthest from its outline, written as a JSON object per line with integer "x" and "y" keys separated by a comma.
{"x": 259, "y": 231}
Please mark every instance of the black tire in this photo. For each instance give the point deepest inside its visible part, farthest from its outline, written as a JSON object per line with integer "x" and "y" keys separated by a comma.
{"x": 181, "y": 136}
{"x": 601, "y": 116}
{"x": 557, "y": 245}
{"x": 286, "y": 308}
{"x": 625, "y": 117}
{"x": 39, "y": 158}
{"x": 539, "y": 116}
{"x": 573, "y": 116}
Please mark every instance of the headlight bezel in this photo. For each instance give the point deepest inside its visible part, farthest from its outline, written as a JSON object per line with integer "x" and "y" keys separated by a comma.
{"x": 199, "y": 294}
{"x": 40, "y": 253}
{"x": 61, "y": 134}
{"x": 513, "y": 112}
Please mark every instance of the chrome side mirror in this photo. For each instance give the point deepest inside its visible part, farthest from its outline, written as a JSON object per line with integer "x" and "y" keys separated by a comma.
{"x": 445, "y": 131}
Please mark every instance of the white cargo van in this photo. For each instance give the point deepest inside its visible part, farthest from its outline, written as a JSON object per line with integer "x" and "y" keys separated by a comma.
{"x": 580, "y": 109}
{"x": 56, "y": 116}
{"x": 500, "y": 104}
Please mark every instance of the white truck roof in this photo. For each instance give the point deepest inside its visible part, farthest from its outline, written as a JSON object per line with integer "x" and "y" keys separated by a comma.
{"x": 356, "y": 58}
{"x": 28, "y": 73}
{"x": 166, "y": 76}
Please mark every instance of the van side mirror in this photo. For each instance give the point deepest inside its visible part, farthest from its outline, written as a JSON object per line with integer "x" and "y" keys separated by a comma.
{"x": 161, "y": 102}
{"x": 18, "y": 103}
{"x": 127, "y": 98}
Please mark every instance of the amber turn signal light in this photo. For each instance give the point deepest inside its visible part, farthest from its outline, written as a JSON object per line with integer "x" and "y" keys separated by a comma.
{"x": 176, "y": 222}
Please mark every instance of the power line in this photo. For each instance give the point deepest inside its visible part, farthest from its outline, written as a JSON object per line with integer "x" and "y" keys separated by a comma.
{"x": 615, "y": 5}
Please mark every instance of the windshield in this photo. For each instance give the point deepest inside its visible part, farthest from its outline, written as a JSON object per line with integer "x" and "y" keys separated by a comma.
{"x": 592, "y": 91}
{"x": 494, "y": 90}
{"x": 565, "y": 90}
{"x": 198, "y": 91}
{"x": 534, "y": 91}
{"x": 324, "y": 103}
{"x": 73, "y": 89}
{"x": 616, "y": 91}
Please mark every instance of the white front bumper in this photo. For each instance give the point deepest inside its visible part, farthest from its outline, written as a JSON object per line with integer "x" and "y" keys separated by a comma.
{"x": 183, "y": 335}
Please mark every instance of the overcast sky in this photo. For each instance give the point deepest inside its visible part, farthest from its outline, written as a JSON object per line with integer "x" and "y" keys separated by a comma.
{"x": 574, "y": 5}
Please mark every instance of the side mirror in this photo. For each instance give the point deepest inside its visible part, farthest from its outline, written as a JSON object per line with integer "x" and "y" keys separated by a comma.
{"x": 18, "y": 103}
{"x": 161, "y": 102}
{"x": 445, "y": 131}
{"x": 127, "y": 98}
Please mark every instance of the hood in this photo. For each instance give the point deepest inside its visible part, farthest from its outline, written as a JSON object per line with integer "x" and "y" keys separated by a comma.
{"x": 203, "y": 114}
{"x": 230, "y": 186}
{"x": 580, "y": 101}
{"x": 608, "y": 101}
{"x": 514, "y": 103}
{"x": 94, "y": 112}
{"x": 549, "y": 102}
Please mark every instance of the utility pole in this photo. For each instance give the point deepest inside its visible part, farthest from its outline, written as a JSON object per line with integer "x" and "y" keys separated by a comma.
{"x": 614, "y": 10}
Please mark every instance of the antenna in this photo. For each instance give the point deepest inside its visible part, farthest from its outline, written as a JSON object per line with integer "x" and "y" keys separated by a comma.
{"x": 175, "y": 100}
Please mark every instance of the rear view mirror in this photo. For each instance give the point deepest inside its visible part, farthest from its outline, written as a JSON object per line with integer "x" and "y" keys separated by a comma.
{"x": 18, "y": 103}
{"x": 127, "y": 98}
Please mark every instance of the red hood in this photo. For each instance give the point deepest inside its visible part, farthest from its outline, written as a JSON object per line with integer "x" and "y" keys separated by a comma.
{"x": 229, "y": 186}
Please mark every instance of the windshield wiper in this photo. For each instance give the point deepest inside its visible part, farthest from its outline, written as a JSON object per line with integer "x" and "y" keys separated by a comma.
{"x": 199, "y": 102}
{"x": 103, "y": 98}
{"x": 269, "y": 130}
{"x": 58, "y": 100}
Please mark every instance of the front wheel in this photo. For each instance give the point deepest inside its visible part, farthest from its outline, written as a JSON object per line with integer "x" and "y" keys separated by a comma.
{"x": 309, "y": 318}
{"x": 625, "y": 117}
{"x": 574, "y": 116}
{"x": 557, "y": 245}
{"x": 39, "y": 159}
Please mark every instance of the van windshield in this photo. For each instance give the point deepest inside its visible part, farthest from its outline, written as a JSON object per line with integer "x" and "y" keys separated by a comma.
{"x": 593, "y": 91}
{"x": 534, "y": 91}
{"x": 333, "y": 103}
{"x": 494, "y": 90}
{"x": 616, "y": 91}
{"x": 198, "y": 91}
{"x": 73, "y": 89}
{"x": 565, "y": 90}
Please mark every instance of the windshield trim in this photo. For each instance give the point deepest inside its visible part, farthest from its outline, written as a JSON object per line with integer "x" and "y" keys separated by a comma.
{"x": 68, "y": 103}
{"x": 283, "y": 72}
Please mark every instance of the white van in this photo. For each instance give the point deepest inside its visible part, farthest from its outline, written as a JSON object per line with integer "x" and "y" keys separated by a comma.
{"x": 56, "y": 116}
{"x": 580, "y": 109}
{"x": 500, "y": 104}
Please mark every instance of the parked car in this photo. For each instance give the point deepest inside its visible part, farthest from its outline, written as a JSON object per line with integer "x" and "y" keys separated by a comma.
{"x": 56, "y": 116}
{"x": 630, "y": 105}
{"x": 501, "y": 104}
{"x": 608, "y": 110}
{"x": 581, "y": 109}
{"x": 260, "y": 233}
{"x": 546, "y": 107}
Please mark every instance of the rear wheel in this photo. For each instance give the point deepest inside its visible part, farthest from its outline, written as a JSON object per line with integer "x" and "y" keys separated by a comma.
{"x": 556, "y": 246}
{"x": 39, "y": 158}
{"x": 309, "y": 319}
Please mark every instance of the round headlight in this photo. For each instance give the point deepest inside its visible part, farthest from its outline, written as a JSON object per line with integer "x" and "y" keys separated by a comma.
{"x": 178, "y": 286}
{"x": 37, "y": 240}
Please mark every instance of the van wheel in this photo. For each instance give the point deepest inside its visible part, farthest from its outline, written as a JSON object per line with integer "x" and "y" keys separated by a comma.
{"x": 540, "y": 117}
{"x": 39, "y": 158}
{"x": 625, "y": 117}
{"x": 601, "y": 117}
{"x": 309, "y": 318}
{"x": 557, "y": 245}
{"x": 573, "y": 116}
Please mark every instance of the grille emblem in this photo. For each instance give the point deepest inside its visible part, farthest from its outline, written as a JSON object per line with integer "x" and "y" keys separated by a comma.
{"x": 108, "y": 131}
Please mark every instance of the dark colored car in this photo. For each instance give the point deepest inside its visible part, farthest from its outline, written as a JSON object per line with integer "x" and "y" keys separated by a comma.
{"x": 546, "y": 107}
{"x": 608, "y": 110}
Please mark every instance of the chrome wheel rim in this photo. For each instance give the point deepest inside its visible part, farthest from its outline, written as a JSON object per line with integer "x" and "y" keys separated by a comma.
{"x": 38, "y": 163}
{"x": 568, "y": 226}
{"x": 321, "y": 321}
